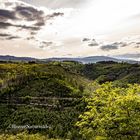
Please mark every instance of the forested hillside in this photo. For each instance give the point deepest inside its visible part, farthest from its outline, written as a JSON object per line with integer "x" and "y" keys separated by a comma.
{"x": 73, "y": 100}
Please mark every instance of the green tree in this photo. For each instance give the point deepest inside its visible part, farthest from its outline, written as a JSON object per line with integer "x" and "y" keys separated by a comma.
{"x": 112, "y": 113}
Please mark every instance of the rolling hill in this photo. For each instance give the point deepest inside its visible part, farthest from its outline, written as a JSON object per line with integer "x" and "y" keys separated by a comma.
{"x": 55, "y": 94}
{"x": 84, "y": 60}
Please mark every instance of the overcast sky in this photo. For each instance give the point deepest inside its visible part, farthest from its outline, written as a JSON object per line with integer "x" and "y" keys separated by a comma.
{"x": 70, "y": 28}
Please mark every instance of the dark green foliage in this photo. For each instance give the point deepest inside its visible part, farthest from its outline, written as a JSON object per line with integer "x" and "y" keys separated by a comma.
{"x": 41, "y": 94}
{"x": 103, "y": 72}
{"x": 57, "y": 93}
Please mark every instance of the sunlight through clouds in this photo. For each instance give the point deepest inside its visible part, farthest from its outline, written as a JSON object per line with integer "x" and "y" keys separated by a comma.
{"x": 58, "y": 28}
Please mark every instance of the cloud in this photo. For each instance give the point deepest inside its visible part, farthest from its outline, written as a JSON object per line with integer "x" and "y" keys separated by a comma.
{"x": 90, "y": 42}
{"x": 12, "y": 37}
{"x": 7, "y": 14}
{"x": 109, "y": 47}
{"x": 43, "y": 44}
{"x": 40, "y": 23}
{"x": 56, "y": 4}
{"x": 34, "y": 28}
{"x": 23, "y": 14}
{"x": 114, "y": 46}
{"x": 4, "y": 35}
{"x": 85, "y": 39}
{"x": 93, "y": 44}
{"x": 136, "y": 44}
{"x": 8, "y": 36}
{"x": 29, "y": 13}
{"x": 30, "y": 38}
{"x": 47, "y": 43}
{"x": 120, "y": 44}
{"x": 4, "y": 25}
{"x": 17, "y": 16}
{"x": 55, "y": 14}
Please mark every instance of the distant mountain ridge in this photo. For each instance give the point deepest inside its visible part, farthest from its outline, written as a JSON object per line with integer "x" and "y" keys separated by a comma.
{"x": 14, "y": 58}
{"x": 90, "y": 59}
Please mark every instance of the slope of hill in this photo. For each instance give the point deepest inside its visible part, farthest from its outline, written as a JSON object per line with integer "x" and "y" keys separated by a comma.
{"x": 110, "y": 71}
{"x": 38, "y": 95}
{"x": 54, "y": 94}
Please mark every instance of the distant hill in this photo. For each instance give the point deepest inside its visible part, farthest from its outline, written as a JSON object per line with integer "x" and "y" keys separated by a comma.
{"x": 84, "y": 60}
{"x": 91, "y": 59}
{"x": 14, "y": 58}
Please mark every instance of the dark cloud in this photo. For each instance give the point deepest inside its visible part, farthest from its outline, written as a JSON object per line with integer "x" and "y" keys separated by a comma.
{"x": 33, "y": 14}
{"x": 30, "y": 38}
{"x": 8, "y": 36}
{"x": 42, "y": 44}
{"x": 85, "y": 39}
{"x": 109, "y": 47}
{"x": 134, "y": 44}
{"x": 125, "y": 44}
{"x": 29, "y": 13}
{"x": 24, "y": 18}
{"x": 55, "y": 14}
{"x": 4, "y": 35}
{"x": 93, "y": 44}
{"x": 5, "y": 14}
{"x": 32, "y": 33}
{"x": 26, "y": 14}
{"x": 114, "y": 46}
{"x": 138, "y": 43}
{"x": 34, "y": 28}
{"x": 12, "y": 37}
{"x": 90, "y": 42}
{"x": 4, "y": 25}
{"x": 40, "y": 23}
{"x": 120, "y": 44}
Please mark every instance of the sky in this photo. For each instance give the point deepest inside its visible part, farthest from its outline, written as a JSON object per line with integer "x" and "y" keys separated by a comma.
{"x": 70, "y": 28}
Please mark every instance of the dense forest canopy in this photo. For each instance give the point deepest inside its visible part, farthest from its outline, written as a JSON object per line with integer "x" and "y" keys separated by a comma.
{"x": 74, "y": 100}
